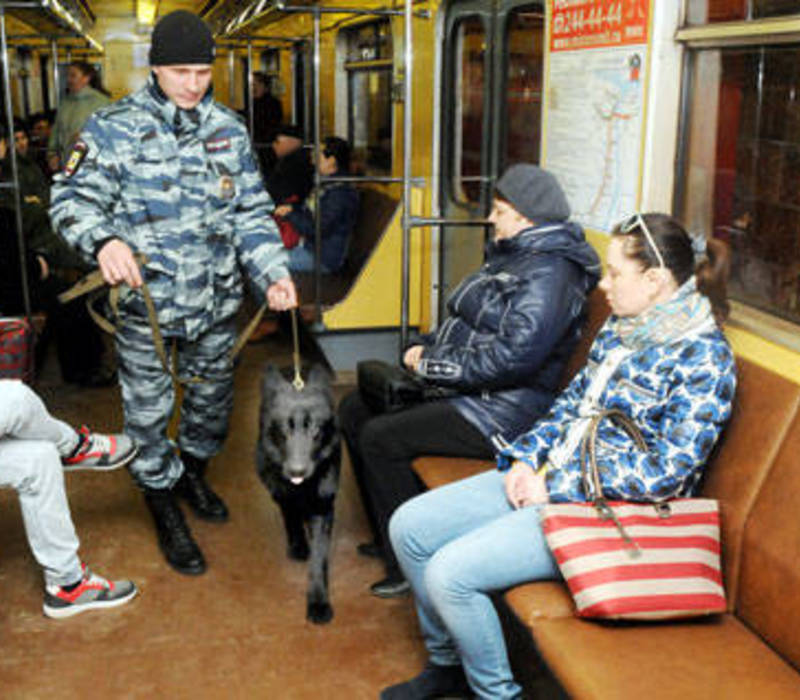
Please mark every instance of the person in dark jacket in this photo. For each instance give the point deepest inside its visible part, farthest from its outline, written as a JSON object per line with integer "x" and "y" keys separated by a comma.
{"x": 338, "y": 204}
{"x": 511, "y": 328}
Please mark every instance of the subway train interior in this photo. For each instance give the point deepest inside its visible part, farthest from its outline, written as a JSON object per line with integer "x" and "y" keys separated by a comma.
{"x": 687, "y": 107}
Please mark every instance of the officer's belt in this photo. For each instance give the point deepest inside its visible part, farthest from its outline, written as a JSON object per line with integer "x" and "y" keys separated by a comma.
{"x": 94, "y": 286}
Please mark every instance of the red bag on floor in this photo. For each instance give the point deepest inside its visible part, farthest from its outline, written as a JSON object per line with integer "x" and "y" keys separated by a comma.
{"x": 16, "y": 349}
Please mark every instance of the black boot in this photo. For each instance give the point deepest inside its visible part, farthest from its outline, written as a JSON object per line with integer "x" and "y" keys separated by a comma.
{"x": 434, "y": 682}
{"x": 198, "y": 494}
{"x": 174, "y": 538}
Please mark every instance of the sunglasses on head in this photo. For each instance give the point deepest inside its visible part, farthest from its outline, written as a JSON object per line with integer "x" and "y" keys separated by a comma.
{"x": 637, "y": 221}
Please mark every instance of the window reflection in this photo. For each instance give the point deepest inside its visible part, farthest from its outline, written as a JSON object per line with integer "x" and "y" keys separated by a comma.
{"x": 712, "y": 11}
{"x": 742, "y": 180}
{"x": 371, "y": 119}
{"x": 470, "y": 66}
{"x": 524, "y": 38}
{"x": 368, "y": 54}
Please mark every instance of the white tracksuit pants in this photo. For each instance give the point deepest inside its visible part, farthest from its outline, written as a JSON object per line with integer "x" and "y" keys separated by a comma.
{"x": 32, "y": 443}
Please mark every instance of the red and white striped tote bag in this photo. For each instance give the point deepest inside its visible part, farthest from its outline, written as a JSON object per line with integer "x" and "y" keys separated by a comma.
{"x": 669, "y": 567}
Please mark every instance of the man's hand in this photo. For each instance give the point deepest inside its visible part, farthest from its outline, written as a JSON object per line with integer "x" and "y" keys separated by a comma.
{"x": 282, "y": 296}
{"x": 412, "y": 356}
{"x": 525, "y": 487}
{"x": 282, "y": 210}
{"x": 53, "y": 162}
{"x": 117, "y": 264}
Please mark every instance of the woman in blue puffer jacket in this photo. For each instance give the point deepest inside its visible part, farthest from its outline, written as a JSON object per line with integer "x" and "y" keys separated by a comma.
{"x": 663, "y": 361}
{"x": 511, "y": 327}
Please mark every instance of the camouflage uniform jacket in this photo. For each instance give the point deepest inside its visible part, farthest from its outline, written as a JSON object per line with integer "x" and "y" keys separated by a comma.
{"x": 181, "y": 187}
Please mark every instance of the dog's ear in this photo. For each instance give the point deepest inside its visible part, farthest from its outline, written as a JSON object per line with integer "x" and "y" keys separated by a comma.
{"x": 273, "y": 381}
{"x": 319, "y": 377}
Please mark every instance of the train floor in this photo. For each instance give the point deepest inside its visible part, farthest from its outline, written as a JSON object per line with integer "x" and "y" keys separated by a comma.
{"x": 239, "y": 630}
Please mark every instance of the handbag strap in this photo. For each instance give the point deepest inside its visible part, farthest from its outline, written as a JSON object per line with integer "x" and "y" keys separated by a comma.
{"x": 591, "y": 473}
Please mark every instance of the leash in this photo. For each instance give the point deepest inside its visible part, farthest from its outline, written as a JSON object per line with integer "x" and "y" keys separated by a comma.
{"x": 93, "y": 285}
{"x": 297, "y": 382}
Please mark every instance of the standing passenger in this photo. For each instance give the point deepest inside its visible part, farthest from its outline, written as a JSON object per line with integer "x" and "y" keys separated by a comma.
{"x": 76, "y": 107}
{"x": 169, "y": 173}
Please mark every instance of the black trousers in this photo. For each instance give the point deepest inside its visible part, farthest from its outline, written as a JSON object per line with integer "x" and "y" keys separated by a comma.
{"x": 382, "y": 448}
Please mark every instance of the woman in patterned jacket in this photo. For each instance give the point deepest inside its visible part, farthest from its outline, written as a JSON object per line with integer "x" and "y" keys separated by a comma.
{"x": 662, "y": 359}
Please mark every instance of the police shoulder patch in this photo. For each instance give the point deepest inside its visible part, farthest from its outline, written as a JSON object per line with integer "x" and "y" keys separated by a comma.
{"x": 76, "y": 156}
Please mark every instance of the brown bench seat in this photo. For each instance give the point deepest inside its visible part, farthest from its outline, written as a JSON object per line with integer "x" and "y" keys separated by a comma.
{"x": 375, "y": 211}
{"x": 751, "y": 651}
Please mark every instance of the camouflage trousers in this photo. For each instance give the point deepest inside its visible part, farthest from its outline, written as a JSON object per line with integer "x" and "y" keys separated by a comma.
{"x": 148, "y": 398}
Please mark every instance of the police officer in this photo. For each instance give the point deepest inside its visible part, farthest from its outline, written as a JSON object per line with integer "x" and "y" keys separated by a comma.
{"x": 169, "y": 173}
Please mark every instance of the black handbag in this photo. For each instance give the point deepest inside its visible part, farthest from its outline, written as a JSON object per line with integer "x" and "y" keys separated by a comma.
{"x": 388, "y": 388}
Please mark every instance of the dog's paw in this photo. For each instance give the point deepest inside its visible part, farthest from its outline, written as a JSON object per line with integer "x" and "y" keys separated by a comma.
{"x": 298, "y": 551}
{"x": 319, "y": 613}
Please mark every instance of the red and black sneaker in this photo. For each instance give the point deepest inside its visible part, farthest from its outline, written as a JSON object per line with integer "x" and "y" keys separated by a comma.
{"x": 100, "y": 452}
{"x": 93, "y": 592}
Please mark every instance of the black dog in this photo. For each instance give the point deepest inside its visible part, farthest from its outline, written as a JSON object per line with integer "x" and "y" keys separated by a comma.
{"x": 298, "y": 458}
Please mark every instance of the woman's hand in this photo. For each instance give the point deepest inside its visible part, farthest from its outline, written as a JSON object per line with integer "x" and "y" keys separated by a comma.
{"x": 525, "y": 487}
{"x": 282, "y": 210}
{"x": 412, "y": 356}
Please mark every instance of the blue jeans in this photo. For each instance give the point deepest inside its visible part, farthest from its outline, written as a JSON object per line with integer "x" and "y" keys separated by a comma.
{"x": 456, "y": 544}
{"x": 301, "y": 259}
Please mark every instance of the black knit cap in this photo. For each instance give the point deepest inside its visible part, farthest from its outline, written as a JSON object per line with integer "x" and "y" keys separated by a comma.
{"x": 181, "y": 38}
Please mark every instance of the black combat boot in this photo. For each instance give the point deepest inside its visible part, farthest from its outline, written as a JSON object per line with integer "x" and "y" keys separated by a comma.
{"x": 198, "y": 494}
{"x": 174, "y": 538}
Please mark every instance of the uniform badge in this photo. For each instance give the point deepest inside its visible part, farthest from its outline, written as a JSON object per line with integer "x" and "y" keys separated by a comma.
{"x": 226, "y": 187}
{"x": 76, "y": 156}
{"x": 214, "y": 145}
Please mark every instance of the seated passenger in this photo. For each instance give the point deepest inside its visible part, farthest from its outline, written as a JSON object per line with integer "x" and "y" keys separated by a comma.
{"x": 286, "y": 167}
{"x": 338, "y": 205}
{"x": 662, "y": 360}
{"x": 35, "y": 450}
{"x": 34, "y": 195}
{"x": 78, "y": 343}
{"x": 511, "y": 328}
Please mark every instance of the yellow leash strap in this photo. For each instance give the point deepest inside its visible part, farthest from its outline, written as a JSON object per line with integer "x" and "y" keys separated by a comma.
{"x": 297, "y": 382}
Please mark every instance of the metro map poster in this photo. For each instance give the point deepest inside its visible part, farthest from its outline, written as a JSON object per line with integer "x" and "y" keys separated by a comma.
{"x": 595, "y": 105}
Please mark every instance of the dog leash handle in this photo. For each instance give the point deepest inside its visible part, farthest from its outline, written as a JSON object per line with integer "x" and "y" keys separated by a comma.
{"x": 297, "y": 382}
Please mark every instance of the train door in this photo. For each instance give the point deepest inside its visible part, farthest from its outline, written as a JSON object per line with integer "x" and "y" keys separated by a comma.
{"x": 491, "y": 116}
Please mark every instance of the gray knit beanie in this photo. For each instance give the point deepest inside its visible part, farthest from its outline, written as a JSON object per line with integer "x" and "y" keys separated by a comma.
{"x": 534, "y": 193}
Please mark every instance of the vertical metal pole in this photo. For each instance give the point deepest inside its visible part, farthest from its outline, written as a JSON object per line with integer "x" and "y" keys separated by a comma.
{"x": 56, "y": 86}
{"x": 250, "y": 114}
{"x": 407, "y": 152}
{"x": 23, "y": 263}
{"x": 317, "y": 139}
{"x": 231, "y": 71}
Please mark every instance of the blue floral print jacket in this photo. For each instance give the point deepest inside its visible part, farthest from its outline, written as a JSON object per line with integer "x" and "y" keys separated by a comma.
{"x": 680, "y": 396}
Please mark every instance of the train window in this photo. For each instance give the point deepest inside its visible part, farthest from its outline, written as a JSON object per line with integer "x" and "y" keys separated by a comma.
{"x": 368, "y": 62}
{"x": 523, "y": 94}
{"x": 741, "y": 178}
{"x": 469, "y": 82}
{"x": 369, "y": 42}
{"x": 711, "y": 11}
